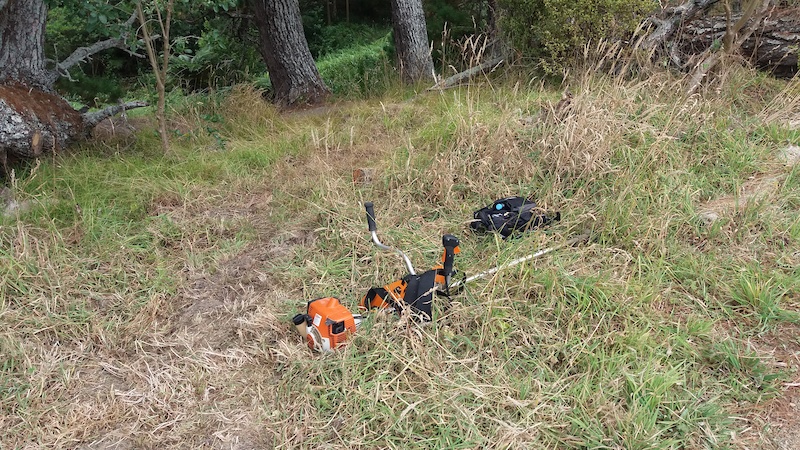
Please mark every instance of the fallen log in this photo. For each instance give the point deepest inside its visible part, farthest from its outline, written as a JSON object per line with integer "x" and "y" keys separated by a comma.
{"x": 33, "y": 122}
{"x": 687, "y": 33}
{"x": 467, "y": 74}
{"x": 773, "y": 46}
{"x": 669, "y": 20}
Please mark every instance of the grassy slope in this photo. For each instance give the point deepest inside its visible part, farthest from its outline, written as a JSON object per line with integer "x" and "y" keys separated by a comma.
{"x": 145, "y": 302}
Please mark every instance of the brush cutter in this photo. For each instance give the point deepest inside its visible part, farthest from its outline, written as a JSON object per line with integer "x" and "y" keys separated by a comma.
{"x": 412, "y": 292}
{"x": 328, "y": 324}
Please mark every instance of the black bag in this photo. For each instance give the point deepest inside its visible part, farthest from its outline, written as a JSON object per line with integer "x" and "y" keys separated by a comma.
{"x": 511, "y": 214}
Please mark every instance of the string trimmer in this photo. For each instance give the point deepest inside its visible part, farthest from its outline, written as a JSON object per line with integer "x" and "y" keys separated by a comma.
{"x": 327, "y": 323}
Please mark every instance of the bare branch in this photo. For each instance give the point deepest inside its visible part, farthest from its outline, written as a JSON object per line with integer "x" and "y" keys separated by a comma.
{"x": 467, "y": 74}
{"x": 93, "y": 118}
{"x": 159, "y": 72}
{"x": 148, "y": 42}
{"x": 82, "y": 53}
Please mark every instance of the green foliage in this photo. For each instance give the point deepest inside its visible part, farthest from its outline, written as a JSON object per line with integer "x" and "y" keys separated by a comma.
{"x": 220, "y": 56}
{"x": 343, "y": 36}
{"x": 93, "y": 91}
{"x": 97, "y": 81}
{"x": 65, "y": 32}
{"x": 211, "y": 47}
{"x": 552, "y": 32}
{"x": 450, "y": 24}
{"x": 360, "y": 70}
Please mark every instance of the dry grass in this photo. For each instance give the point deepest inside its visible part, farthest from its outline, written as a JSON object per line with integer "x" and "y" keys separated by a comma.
{"x": 155, "y": 314}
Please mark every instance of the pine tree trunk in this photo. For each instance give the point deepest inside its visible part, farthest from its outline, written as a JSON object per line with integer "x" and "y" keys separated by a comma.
{"x": 22, "y": 42}
{"x": 292, "y": 72}
{"x": 411, "y": 41}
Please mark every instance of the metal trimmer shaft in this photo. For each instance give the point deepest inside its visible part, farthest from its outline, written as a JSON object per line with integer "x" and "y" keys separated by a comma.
{"x": 573, "y": 241}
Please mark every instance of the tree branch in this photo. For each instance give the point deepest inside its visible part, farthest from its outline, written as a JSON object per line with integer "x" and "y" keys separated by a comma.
{"x": 93, "y": 118}
{"x": 3, "y": 3}
{"x": 82, "y": 53}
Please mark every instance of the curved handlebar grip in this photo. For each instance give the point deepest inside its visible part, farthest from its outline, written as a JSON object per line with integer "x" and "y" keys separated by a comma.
{"x": 370, "y": 216}
{"x": 449, "y": 242}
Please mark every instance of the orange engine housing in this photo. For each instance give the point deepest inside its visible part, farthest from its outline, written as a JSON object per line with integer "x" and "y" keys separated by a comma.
{"x": 331, "y": 323}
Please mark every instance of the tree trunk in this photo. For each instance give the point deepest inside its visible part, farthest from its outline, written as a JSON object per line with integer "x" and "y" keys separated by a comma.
{"x": 411, "y": 41}
{"x": 21, "y": 43}
{"x": 292, "y": 72}
{"x": 33, "y": 118}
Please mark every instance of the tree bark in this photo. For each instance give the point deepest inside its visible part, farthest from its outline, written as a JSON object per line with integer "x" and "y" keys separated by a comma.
{"x": 669, "y": 20}
{"x": 35, "y": 121}
{"x": 292, "y": 72}
{"x": 411, "y": 41}
{"x": 22, "y": 25}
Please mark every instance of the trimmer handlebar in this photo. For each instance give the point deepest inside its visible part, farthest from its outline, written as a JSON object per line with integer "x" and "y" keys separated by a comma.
{"x": 371, "y": 216}
{"x": 373, "y": 228}
{"x": 450, "y": 243}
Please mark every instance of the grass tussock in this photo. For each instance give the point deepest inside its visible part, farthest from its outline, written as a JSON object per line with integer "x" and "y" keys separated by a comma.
{"x": 145, "y": 298}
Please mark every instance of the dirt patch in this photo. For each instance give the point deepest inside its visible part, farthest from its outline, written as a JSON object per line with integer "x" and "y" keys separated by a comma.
{"x": 755, "y": 189}
{"x": 780, "y": 417}
{"x": 211, "y": 303}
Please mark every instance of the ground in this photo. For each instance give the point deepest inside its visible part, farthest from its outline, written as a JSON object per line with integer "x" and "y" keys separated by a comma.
{"x": 190, "y": 371}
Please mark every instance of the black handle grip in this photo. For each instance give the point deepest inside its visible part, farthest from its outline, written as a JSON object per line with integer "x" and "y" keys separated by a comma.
{"x": 449, "y": 242}
{"x": 370, "y": 216}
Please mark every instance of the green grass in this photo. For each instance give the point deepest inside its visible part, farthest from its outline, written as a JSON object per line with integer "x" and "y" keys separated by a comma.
{"x": 147, "y": 298}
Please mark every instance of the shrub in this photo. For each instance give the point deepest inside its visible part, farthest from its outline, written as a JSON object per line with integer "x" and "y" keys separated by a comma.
{"x": 554, "y": 32}
{"x": 220, "y": 56}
